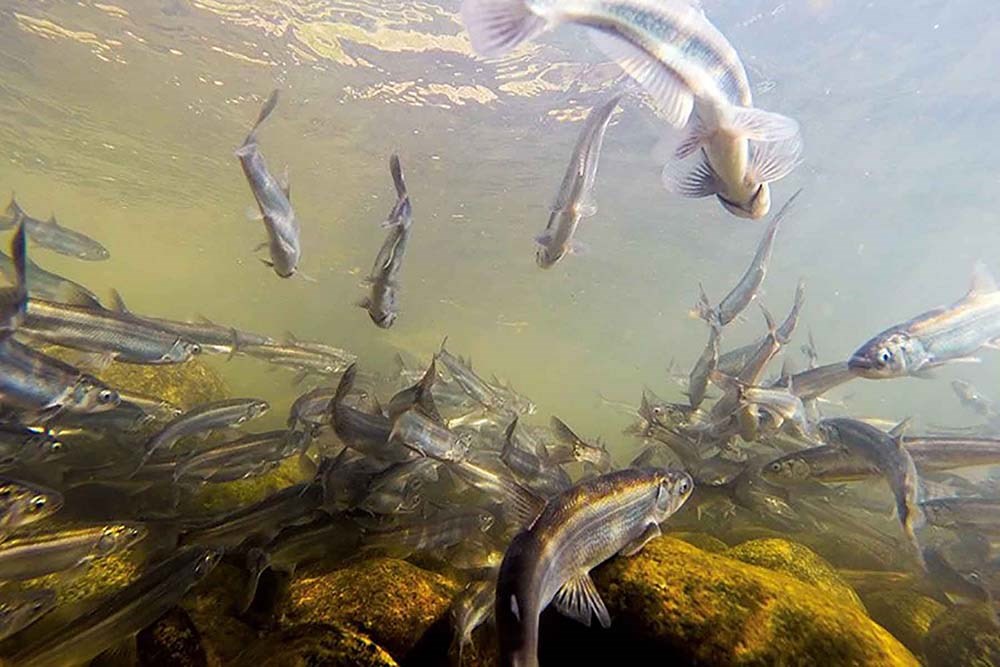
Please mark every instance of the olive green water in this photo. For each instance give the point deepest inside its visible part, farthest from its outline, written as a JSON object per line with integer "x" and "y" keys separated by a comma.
{"x": 122, "y": 119}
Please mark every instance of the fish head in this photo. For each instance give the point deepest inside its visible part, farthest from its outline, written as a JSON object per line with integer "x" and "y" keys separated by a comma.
{"x": 42, "y": 446}
{"x": 383, "y": 319}
{"x": 90, "y": 395}
{"x": 786, "y": 470}
{"x": 21, "y": 504}
{"x": 207, "y": 562}
{"x": 888, "y": 355}
{"x": 964, "y": 390}
{"x": 181, "y": 351}
{"x": 673, "y": 489}
{"x": 117, "y": 537}
{"x": 939, "y": 514}
{"x": 254, "y": 409}
{"x": 754, "y": 209}
{"x": 547, "y": 255}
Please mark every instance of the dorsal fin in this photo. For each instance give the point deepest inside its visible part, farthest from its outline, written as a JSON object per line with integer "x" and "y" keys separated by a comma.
{"x": 52, "y": 220}
{"x": 899, "y": 430}
{"x": 118, "y": 303}
{"x": 983, "y": 281}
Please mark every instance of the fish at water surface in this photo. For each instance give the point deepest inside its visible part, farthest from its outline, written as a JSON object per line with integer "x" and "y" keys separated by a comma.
{"x": 693, "y": 74}
{"x": 53, "y": 236}
{"x": 577, "y": 531}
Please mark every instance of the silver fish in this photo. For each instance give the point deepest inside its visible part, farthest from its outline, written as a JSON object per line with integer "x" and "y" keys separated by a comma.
{"x": 53, "y": 236}
{"x": 49, "y": 286}
{"x": 583, "y": 451}
{"x": 20, "y": 609}
{"x": 949, "y": 334}
{"x": 14, "y": 299}
{"x": 41, "y": 554}
{"x": 23, "y": 503}
{"x": 971, "y": 398}
{"x": 471, "y": 608}
{"x": 617, "y": 513}
{"x": 249, "y": 456}
{"x": 205, "y": 417}
{"x": 431, "y": 534}
{"x": 273, "y": 200}
{"x": 383, "y": 302}
{"x": 709, "y": 359}
{"x": 576, "y": 194}
{"x": 126, "y": 612}
{"x": 427, "y": 437}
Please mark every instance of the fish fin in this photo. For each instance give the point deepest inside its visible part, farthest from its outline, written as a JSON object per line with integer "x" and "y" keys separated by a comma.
{"x": 52, "y": 220}
{"x": 578, "y": 248}
{"x": 900, "y": 429}
{"x": 497, "y": 27}
{"x": 508, "y": 441}
{"x": 300, "y": 377}
{"x": 635, "y": 546}
{"x": 285, "y": 183}
{"x": 702, "y": 181}
{"x": 587, "y": 208}
{"x": 671, "y": 96}
{"x": 772, "y": 161}
{"x": 344, "y": 386}
{"x": 983, "y": 281}
{"x": 253, "y": 214}
{"x": 524, "y": 506}
{"x": 544, "y": 238}
{"x": 397, "y": 176}
{"x": 118, "y": 303}
{"x": 564, "y": 432}
{"x": 260, "y": 246}
{"x": 364, "y": 302}
{"x": 305, "y": 276}
{"x": 265, "y": 111}
{"x": 94, "y": 361}
{"x": 266, "y": 262}
{"x": 578, "y": 598}
{"x": 697, "y": 134}
{"x": 763, "y": 126}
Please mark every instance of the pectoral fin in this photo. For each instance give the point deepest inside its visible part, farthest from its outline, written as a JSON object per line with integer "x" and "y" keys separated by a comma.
{"x": 702, "y": 181}
{"x": 773, "y": 161}
{"x": 635, "y": 546}
{"x": 578, "y": 598}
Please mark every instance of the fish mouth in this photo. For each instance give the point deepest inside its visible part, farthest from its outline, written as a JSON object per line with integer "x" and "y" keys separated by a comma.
{"x": 860, "y": 363}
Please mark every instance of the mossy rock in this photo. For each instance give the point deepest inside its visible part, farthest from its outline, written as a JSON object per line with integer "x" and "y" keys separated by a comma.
{"x": 675, "y": 602}
{"x": 172, "y": 640}
{"x": 315, "y": 644}
{"x": 966, "y": 636}
{"x": 703, "y": 541}
{"x": 212, "y": 607}
{"x": 183, "y": 385}
{"x": 100, "y": 578}
{"x": 856, "y": 553}
{"x": 906, "y": 614}
{"x": 391, "y": 601}
{"x": 797, "y": 561}
{"x": 225, "y": 496}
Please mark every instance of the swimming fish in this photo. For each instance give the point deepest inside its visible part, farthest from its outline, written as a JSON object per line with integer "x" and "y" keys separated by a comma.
{"x": 575, "y": 198}
{"x": 273, "y": 200}
{"x": 617, "y": 513}
{"x": 53, "y": 236}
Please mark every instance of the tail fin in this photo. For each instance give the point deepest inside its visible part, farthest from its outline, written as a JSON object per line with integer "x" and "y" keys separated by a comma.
{"x": 402, "y": 212}
{"x": 345, "y": 385}
{"x": 265, "y": 111}
{"x": 497, "y": 27}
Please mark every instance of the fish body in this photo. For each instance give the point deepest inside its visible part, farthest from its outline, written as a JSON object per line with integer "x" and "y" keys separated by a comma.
{"x": 273, "y": 200}
{"x": 826, "y": 463}
{"x": 53, "y": 236}
{"x": 583, "y": 451}
{"x": 473, "y": 385}
{"x": 245, "y": 457}
{"x": 971, "y": 398}
{"x": 44, "y": 386}
{"x": 42, "y": 284}
{"x": 20, "y": 609}
{"x": 311, "y": 408}
{"x": 122, "y": 337}
{"x": 471, "y": 608}
{"x": 813, "y": 383}
{"x": 121, "y": 615}
{"x": 963, "y": 512}
{"x": 209, "y": 336}
{"x": 578, "y": 530}
{"x": 893, "y": 461}
{"x": 949, "y": 334}
{"x": 20, "y": 445}
{"x": 707, "y": 362}
{"x": 427, "y": 437}
{"x": 534, "y": 471}
{"x": 41, "y": 554}
{"x": 206, "y": 417}
{"x": 487, "y": 473}
{"x": 438, "y": 532}
{"x": 383, "y": 302}
{"x": 364, "y": 432}
{"x": 575, "y": 198}
{"x": 23, "y": 503}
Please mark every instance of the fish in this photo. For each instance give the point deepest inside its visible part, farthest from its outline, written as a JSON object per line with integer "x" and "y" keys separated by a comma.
{"x": 487, "y": 473}
{"x": 429, "y": 438}
{"x": 583, "y": 451}
{"x": 709, "y": 359}
{"x": 304, "y": 359}
{"x": 312, "y": 408}
{"x": 14, "y": 299}
{"x": 364, "y": 432}
{"x": 616, "y": 513}
{"x": 396, "y": 488}
{"x": 813, "y": 383}
{"x": 249, "y": 456}
{"x": 124, "y": 613}
{"x": 105, "y": 332}
{"x": 967, "y": 586}
{"x": 23, "y": 503}
{"x": 971, "y": 398}
{"x": 51, "y": 235}
{"x": 575, "y": 199}
{"x": 746, "y": 288}
{"x": 963, "y": 512}
{"x": 893, "y": 461}
{"x": 472, "y": 607}
{"x": 531, "y": 469}
{"x": 383, "y": 302}
{"x": 273, "y": 199}
{"x": 21, "y": 445}
{"x": 42, "y": 284}
{"x": 206, "y": 417}
{"x": 19, "y": 609}
{"x": 40, "y": 554}
{"x": 781, "y": 404}
{"x": 473, "y": 385}
{"x": 825, "y": 463}
{"x": 432, "y": 534}
{"x": 44, "y": 387}
{"x": 420, "y": 394}
{"x": 945, "y": 335}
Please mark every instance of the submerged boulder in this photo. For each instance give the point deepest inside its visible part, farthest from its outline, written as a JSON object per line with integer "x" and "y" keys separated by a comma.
{"x": 389, "y": 600}
{"x": 673, "y": 601}
{"x": 703, "y": 541}
{"x": 966, "y": 635}
{"x": 183, "y": 385}
{"x": 315, "y": 644}
{"x": 907, "y": 614}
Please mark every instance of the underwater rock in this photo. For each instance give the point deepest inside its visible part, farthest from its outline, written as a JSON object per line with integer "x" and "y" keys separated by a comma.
{"x": 184, "y": 385}
{"x": 315, "y": 644}
{"x": 675, "y": 602}
{"x": 703, "y": 541}
{"x": 172, "y": 640}
{"x": 226, "y": 496}
{"x": 908, "y": 615}
{"x": 966, "y": 636}
{"x": 212, "y": 606}
{"x": 799, "y": 562}
{"x": 391, "y": 601}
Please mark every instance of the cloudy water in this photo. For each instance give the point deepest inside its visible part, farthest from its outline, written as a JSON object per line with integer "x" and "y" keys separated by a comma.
{"x": 122, "y": 121}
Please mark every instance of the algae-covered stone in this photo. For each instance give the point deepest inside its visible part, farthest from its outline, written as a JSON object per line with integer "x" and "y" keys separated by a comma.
{"x": 966, "y": 636}
{"x": 184, "y": 385}
{"x": 906, "y": 614}
{"x": 172, "y": 640}
{"x": 703, "y": 541}
{"x": 678, "y": 602}
{"x": 225, "y": 496}
{"x": 391, "y": 601}
{"x": 212, "y": 607}
{"x": 315, "y": 644}
{"x": 798, "y": 561}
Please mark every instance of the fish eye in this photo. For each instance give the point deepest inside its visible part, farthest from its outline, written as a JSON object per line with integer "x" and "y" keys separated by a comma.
{"x": 55, "y": 445}
{"x": 973, "y": 576}
{"x": 38, "y": 502}
{"x": 885, "y": 355}
{"x": 105, "y": 396}
{"x": 195, "y": 348}
{"x": 684, "y": 487}
{"x": 775, "y": 467}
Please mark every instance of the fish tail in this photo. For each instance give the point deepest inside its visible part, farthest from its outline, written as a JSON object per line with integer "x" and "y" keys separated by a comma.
{"x": 497, "y": 27}
{"x": 345, "y": 385}
{"x": 265, "y": 111}
{"x": 397, "y": 176}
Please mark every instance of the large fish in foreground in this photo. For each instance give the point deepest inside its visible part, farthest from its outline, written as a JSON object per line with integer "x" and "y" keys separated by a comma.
{"x": 575, "y": 198}
{"x": 273, "y": 200}
{"x": 689, "y": 68}
{"x": 948, "y": 334}
{"x": 383, "y": 302}
{"x": 617, "y": 513}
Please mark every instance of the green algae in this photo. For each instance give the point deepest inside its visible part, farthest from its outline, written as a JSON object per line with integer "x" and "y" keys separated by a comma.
{"x": 908, "y": 615}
